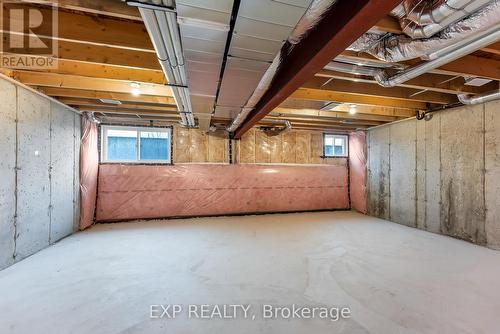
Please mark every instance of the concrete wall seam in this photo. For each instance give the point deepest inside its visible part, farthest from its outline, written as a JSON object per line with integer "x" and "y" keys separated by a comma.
{"x": 34, "y": 130}
{"x": 453, "y": 174}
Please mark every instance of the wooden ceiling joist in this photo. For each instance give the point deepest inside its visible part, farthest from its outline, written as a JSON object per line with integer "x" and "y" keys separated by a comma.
{"x": 80, "y": 28}
{"x": 426, "y": 82}
{"x": 391, "y": 25}
{"x": 285, "y": 112}
{"x": 85, "y": 83}
{"x": 102, "y": 54}
{"x": 132, "y": 111}
{"x": 105, "y": 71}
{"x": 112, "y": 8}
{"x": 95, "y": 95}
{"x": 472, "y": 66}
{"x": 373, "y": 89}
{"x": 318, "y": 120}
{"x": 95, "y": 103}
{"x": 324, "y": 95}
{"x": 465, "y": 66}
{"x": 388, "y": 24}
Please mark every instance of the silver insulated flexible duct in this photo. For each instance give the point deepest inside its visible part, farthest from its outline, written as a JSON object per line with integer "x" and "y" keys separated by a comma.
{"x": 160, "y": 20}
{"x": 453, "y": 53}
{"x": 423, "y": 19}
{"x": 396, "y": 48}
{"x": 472, "y": 33}
{"x": 490, "y": 96}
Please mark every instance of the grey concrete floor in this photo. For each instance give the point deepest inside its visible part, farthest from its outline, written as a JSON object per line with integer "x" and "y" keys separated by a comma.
{"x": 393, "y": 278}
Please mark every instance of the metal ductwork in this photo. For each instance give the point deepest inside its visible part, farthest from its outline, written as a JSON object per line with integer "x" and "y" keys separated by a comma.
{"x": 352, "y": 69}
{"x": 396, "y": 48}
{"x": 472, "y": 33}
{"x": 281, "y": 22}
{"x": 423, "y": 19}
{"x": 453, "y": 53}
{"x": 276, "y": 130}
{"x": 467, "y": 99}
{"x": 160, "y": 19}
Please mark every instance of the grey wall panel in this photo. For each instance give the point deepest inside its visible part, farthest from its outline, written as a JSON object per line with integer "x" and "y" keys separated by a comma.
{"x": 39, "y": 201}
{"x": 33, "y": 186}
{"x": 420, "y": 176}
{"x": 492, "y": 177}
{"x": 7, "y": 172}
{"x": 76, "y": 172}
{"x": 403, "y": 173}
{"x": 62, "y": 166}
{"x": 378, "y": 172}
{"x": 462, "y": 163}
{"x": 433, "y": 173}
{"x": 456, "y": 183}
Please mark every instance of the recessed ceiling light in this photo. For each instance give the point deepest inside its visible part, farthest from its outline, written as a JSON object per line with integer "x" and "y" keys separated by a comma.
{"x": 353, "y": 109}
{"x": 136, "y": 89}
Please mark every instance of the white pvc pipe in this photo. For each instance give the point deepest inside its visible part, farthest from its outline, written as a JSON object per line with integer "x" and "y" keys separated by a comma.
{"x": 149, "y": 18}
{"x": 165, "y": 34}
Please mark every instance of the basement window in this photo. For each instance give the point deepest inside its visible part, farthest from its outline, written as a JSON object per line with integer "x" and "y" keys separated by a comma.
{"x": 130, "y": 144}
{"x": 335, "y": 146}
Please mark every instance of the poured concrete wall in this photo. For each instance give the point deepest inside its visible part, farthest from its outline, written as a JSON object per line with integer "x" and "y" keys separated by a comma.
{"x": 39, "y": 144}
{"x": 441, "y": 174}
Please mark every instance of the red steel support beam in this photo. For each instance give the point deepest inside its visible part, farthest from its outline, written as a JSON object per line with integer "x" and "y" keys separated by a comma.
{"x": 344, "y": 22}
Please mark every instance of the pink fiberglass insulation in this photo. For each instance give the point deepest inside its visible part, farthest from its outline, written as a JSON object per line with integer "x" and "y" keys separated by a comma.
{"x": 357, "y": 166}
{"x": 89, "y": 167}
{"x": 137, "y": 192}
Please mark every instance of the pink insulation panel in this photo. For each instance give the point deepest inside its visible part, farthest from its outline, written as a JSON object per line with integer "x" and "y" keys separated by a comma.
{"x": 139, "y": 192}
{"x": 357, "y": 165}
{"x": 89, "y": 167}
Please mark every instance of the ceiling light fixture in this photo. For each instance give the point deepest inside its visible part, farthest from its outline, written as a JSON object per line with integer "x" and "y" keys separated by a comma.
{"x": 136, "y": 89}
{"x": 353, "y": 109}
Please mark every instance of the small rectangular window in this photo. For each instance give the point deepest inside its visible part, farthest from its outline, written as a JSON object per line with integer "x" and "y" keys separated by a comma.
{"x": 335, "y": 145}
{"x": 135, "y": 144}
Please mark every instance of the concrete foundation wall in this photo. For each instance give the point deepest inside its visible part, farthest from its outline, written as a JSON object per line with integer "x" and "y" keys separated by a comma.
{"x": 441, "y": 174}
{"x": 39, "y": 145}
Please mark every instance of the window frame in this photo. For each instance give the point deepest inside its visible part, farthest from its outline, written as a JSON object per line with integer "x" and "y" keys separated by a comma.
{"x": 336, "y": 135}
{"x": 138, "y": 128}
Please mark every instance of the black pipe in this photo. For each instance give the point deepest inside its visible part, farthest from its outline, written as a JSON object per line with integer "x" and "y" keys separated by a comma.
{"x": 421, "y": 115}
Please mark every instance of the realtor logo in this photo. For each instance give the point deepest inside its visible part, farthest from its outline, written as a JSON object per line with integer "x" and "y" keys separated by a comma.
{"x": 29, "y": 35}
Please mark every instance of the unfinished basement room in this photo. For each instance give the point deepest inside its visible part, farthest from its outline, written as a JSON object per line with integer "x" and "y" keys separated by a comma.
{"x": 250, "y": 166}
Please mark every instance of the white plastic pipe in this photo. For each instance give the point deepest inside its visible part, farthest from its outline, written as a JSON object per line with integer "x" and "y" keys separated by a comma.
{"x": 153, "y": 29}
{"x": 165, "y": 34}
